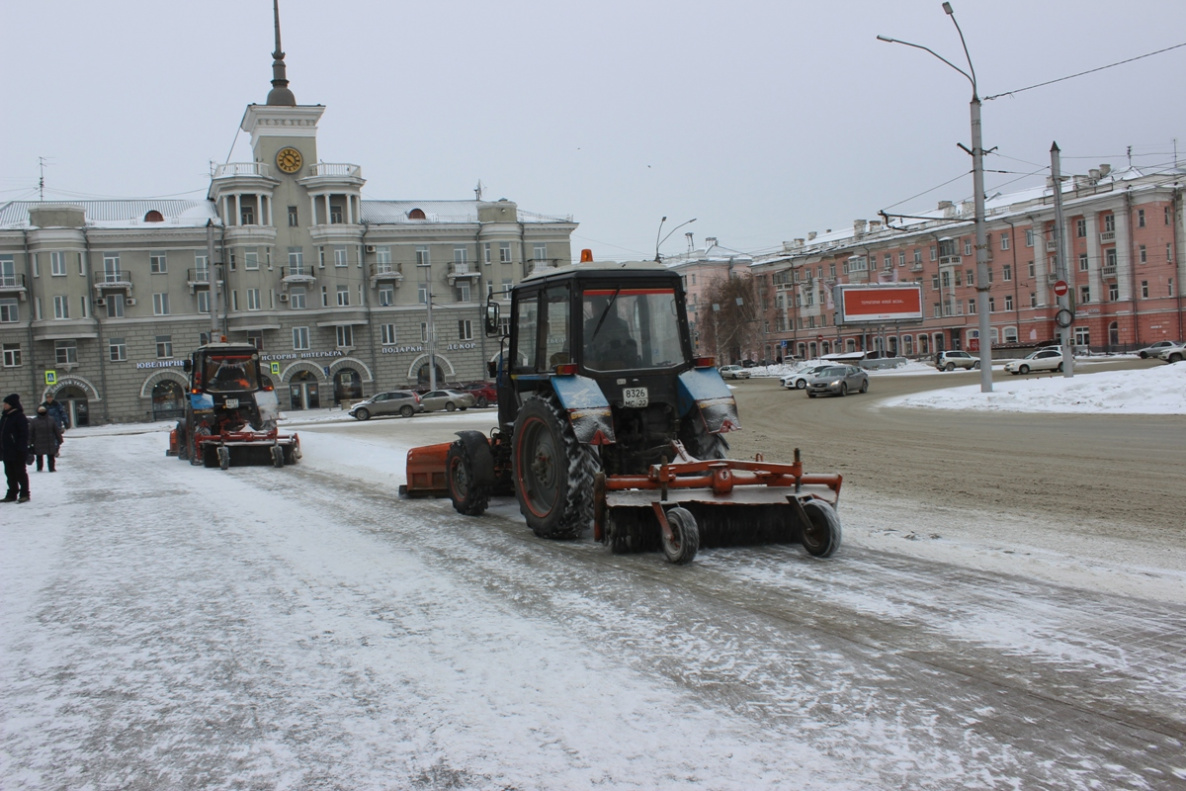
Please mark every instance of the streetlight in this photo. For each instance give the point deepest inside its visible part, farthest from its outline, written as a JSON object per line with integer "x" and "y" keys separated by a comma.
{"x": 430, "y": 330}
{"x": 659, "y": 242}
{"x": 977, "y": 152}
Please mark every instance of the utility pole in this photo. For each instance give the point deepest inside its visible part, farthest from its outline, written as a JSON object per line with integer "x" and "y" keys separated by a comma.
{"x": 212, "y": 273}
{"x": 430, "y": 332}
{"x": 1065, "y": 315}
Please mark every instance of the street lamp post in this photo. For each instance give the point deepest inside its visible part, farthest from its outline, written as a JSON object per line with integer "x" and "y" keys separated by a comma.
{"x": 977, "y": 152}
{"x": 430, "y": 331}
{"x": 659, "y": 242}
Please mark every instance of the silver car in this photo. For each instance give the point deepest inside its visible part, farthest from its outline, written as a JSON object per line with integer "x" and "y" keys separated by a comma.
{"x": 447, "y": 400}
{"x": 1046, "y": 359}
{"x": 1173, "y": 354}
{"x": 393, "y": 402}
{"x": 837, "y": 380}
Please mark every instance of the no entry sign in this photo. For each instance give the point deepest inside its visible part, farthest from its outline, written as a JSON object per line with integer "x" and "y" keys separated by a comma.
{"x": 1060, "y": 288}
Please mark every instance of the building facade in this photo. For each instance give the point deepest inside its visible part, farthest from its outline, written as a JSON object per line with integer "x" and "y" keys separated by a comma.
{"x": 101, "y": 301}
{"x": 1123, "y": 233}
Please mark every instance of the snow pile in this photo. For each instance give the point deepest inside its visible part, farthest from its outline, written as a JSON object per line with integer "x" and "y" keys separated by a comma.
{"x": 1151, "y": 391}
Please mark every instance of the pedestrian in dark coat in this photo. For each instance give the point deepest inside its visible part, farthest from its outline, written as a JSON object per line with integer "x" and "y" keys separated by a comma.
{"x": 14, "y": 447}
{"x": 55, "y": 409}
{"x": 45, "y": 437}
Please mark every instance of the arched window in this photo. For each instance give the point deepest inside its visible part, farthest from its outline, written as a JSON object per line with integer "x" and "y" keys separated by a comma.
{"x": 416, "y": 214}
{"x": 154, "y": 216}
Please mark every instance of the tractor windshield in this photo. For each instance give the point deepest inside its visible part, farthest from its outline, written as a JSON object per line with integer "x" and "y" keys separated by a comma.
{"x": 231, "y": 373}
{"x": 631, "y": 329}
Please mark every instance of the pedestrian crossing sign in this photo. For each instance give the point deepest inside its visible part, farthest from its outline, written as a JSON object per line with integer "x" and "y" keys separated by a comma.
{"x": 51, "y": 377}
{"x": 275, "y": 369}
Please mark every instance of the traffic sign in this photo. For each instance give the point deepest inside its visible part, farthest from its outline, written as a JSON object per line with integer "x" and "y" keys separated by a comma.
{"x": 1060, "y": 288}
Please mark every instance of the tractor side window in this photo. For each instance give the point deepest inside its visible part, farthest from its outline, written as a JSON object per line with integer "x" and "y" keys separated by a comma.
{"x": 557, "y": 349}
{"x": 527, "y": 332}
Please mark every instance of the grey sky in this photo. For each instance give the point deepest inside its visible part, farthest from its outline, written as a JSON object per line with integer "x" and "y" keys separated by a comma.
{"x": 764, "y": 120}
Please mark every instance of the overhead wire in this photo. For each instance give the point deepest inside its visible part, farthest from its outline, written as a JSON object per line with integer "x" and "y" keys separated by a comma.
{"x": 1080, "y": 74}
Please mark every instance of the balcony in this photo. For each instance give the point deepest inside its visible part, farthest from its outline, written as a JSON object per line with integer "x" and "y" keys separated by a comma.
{"x": 461, "y": 270}
{"x": 336, "y": 170}
{"x": 13, "y": 284}
{"x": 1108, "y": 271}
{"x": 198, "y": 279}
{"x": 387, "y": 272}
{"x": 946, "y": 260}
{"x": 112, "y": 280}
{"x": 231, "y": 170}
{"x": 1107, "y": 237}
{"x": 916, "y": 267}
{"x": 297, "y": 274}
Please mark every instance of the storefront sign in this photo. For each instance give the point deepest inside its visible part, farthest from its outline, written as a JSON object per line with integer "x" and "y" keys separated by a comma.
{"x": 454, "y": 347}
{"x": 401, "y": 349}
{"x": 161, "y": 364}
{"x": 300, "y": 355}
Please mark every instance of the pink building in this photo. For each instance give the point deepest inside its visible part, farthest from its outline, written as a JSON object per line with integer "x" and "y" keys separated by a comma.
{"x": 1123, "y": 233}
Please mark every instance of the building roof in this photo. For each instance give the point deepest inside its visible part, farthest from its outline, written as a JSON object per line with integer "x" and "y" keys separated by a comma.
{"x": 14, "y": 215}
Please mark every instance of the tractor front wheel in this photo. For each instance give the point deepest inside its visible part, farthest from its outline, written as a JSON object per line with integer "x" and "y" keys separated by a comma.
{"x": 553, "y": 472}
{"x": 681, "y": 548}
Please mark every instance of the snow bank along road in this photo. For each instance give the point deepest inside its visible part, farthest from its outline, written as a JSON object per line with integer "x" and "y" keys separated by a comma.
{"x": 164, "y": 626}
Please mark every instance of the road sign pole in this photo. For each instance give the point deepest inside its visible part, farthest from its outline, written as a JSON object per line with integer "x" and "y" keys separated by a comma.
{"x": 1060, "y": 262}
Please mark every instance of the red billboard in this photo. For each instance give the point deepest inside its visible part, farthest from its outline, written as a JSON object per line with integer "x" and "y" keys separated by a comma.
{"x": 882, "y": 304}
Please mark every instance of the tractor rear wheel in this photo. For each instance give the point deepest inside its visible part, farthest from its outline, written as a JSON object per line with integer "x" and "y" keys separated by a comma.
{"x": 468, "y": 497}
{"x": 821, "y": 535}
{"x": 698, "y": 442}
{"x": 685, "y": 536}
{"x": 553, "y": 473}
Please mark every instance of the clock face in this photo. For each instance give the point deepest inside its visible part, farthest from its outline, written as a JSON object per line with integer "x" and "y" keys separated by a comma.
{"x": 289, "y": 160}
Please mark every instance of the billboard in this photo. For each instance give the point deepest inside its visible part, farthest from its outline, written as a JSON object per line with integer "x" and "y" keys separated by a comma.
{"x": 881, "y": 304}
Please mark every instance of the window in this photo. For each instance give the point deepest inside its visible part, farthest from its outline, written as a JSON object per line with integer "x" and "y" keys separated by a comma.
{"x": 111, "y": 273}
{"x": 1109, "y": 222}
{"x": 387, "y": 334}
{"x": 324, "y": 297}
{"x": 992, "y": 304}
{"x": 1007, "y": 273}
{"x": 972, "y": 307}
{"x": 422, "y": 256}
{"x": 422, "y": 293}
{"x": 1142, "y": 254}
{"x": 1082, "y": 336}
{"x": 157, "y": 263}
{"x": 203, "y": 302}
{"x": 1083, "y": 262}
{"x": 465, "y": 330}
{"x": 343, "y": 296}
{"x": 1084, "y": 295}
{"x": 296, "y": 297}
{"x": 460, "y": 255}
{"x": 1113, "y": 292}
{"x": 164, "y": 346}
{"x": 463, "y": 291}
{"x": 201, "y": 268}
{"x": 300, "y": 338}
{"x": 293, "y": 217}
{"x": 256, "y": 338}
{"x": 934, "y": 253}
{"x": 251, "y": 258}
{"x": 1029, "y": 237}
{"x": 1010, "y": 334}
{"x": 918, "y": 256}
{"x": 887, "y": 263}
{"x": 12, "y": 355}
{"x": 57, "y": 264}
{"x": 117, "y": 350}
{"x": 1169, "y": 253}
{"x": 967, "y": 247}
{"x": 1008, "y": 302}
{"x": 253, "y": 302}
{"x": 65, "y": 352}
{"x": 1004, "y": 241}
{"x": 247, "y": 215}
{"x": 115, "y": 306}
{"x": 506, "y": 287}
{"x": 61, "y": 307}
{"x": 386, "y": 295}
{"x": 539, "y": 252}
{"x": 486, "y": 254}
{"x": 9, "y": 311}
{"x": 296, "y": 260}
{"x": 383, "y": 258}
{"x": 1144, "y": 289}
{"x": 160, "y": 304}
{"x": 504, "y": 252}
{"x": 335, "y": 214}
{"x": 1169, "y": 282}
{"x": 1081, "y": 227}
{"x": 345, "y": 336}
{"x": 340, "y": 255}
{"x": 1140, "y": 218}
{"x": 971, "y": 276}
{"x": 1110, "y": 258}
{"x": 1031, "y": 268}
{"x": 424, "y": 332}
{"x": 902, "y": 258}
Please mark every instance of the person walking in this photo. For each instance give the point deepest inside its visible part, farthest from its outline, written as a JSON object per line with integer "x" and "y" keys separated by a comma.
{"x": 55, "y": 409}
{"x": 14, "y": 447}
{"x": 45, "y": 437}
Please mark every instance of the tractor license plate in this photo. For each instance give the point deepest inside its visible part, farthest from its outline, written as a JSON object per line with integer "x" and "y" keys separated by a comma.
{"x": 231, "y": 403}
{"x": 635, "y": 397}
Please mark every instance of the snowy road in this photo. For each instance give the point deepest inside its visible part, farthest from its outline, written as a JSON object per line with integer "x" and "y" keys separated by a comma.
{"x": 165, "y": 626}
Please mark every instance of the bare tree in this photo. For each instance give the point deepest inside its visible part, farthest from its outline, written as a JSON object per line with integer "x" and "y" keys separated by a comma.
{"x": 729, "y": 318}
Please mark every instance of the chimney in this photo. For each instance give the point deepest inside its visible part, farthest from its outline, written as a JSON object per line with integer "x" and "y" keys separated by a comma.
{"x": 874, "y": 226}
{"x": 947, "y": 207}
{"x": 967, "y": 208}
{"x": 858, "y": 227}
{"x": 811, "y": 236}
{"x": 710, "y": 242}
{"x": 1094, "y": 173}
{"x": 1105, "y": 169}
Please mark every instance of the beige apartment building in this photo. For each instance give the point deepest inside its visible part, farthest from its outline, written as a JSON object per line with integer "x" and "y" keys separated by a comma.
{"x": 101, "y": 301}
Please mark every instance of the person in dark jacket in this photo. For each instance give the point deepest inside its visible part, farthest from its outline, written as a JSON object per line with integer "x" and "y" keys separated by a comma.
{"x": 14, "y": 446}
{"x": 55, "y": 410}
{"x": 45, "y": 437}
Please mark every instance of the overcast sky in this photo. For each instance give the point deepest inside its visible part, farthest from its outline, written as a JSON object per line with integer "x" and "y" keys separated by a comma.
{"x": 763, "y": 119}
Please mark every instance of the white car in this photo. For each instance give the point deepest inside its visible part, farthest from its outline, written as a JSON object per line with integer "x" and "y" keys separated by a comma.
{"x": 1155, "y": 349}
{"x": 798, "y": 379}
{"x": 1047, "y": 359}
{"x": 1173, "y": 354}
{"x": 734, "y": 372}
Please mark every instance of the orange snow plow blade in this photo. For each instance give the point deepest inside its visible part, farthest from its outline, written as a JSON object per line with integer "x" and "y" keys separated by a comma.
{"x": 426, "y": 471}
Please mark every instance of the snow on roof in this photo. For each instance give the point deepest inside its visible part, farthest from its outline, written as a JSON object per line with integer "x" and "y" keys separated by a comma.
{"x": 395, "y": 212}
{"x": 117, "y": 213}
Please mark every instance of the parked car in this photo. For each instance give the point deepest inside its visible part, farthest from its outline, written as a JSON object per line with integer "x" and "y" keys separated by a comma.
{"x": 734, "y": 372}
{"x": 1155, "y": 349}
{"x": 949, "y": 361}
{"x": 837, "y": 380}
{"x": 484, "y": 393}
{"x": 798, "y": 379}
{"x": 447, "y": 400}
{"x": 394, "y": 402}
{"x": 1173, "y": 354}
{"x": 1048, "y": 359}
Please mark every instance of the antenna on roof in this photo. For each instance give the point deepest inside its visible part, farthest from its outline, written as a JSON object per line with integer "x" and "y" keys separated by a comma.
{"x": 279, "y": 96}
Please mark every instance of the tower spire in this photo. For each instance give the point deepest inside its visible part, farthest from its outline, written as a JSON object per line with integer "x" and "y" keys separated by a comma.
{"x": 279, "y": 96}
